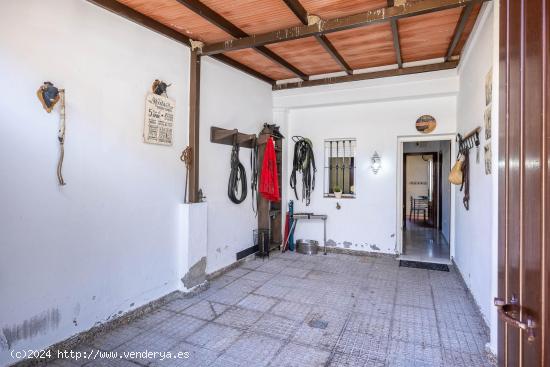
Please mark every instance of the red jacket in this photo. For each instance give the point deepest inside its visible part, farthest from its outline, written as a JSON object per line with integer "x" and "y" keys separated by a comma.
{"x": 269, "y": 182}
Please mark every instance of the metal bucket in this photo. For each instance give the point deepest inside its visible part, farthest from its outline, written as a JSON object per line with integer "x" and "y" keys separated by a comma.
{"x": 308, "y": 247}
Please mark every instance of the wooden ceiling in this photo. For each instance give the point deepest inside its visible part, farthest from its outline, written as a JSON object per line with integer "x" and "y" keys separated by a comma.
{"x": 389, "y": 35}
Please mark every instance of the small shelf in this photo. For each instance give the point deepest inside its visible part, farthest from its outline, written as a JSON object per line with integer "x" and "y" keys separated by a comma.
{"x": 232, "y": 137}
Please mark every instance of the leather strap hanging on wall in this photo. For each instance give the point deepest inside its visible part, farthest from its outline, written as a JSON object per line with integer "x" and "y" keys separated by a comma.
{"x": 236, "y": 177}
{"x": 466, "y": 180}
{"x": 254, "y": 174}
{"x": 304, "y": 162}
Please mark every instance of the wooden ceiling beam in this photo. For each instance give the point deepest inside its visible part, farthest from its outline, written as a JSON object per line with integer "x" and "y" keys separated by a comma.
{"x": 408, "y": 9}
{"x": 219, "y": 21}
{"x": 245, "y": 69}
{"x": 141, "y": 19}
{"x": 151, "y": 24}
{"x": 395, "y": 34}
{"x": 301, "y": 13}
{"x": 367, "y": 76}
{"x": 464, "y": 15}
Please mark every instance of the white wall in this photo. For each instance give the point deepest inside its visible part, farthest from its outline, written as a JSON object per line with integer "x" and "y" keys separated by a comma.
{"x": 109, "y": 241}
{"x": 230, "y": 100}
{"x": 474, "y": 228}
{"x": 376, "y": 119}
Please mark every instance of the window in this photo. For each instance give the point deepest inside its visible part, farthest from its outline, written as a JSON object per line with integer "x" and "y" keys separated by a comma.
{"x": 340, "y": 167}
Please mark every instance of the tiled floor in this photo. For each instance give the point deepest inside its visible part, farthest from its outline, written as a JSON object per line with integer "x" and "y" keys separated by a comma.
{"x": 423, "y": 243}
{"x": 298, "y": 310}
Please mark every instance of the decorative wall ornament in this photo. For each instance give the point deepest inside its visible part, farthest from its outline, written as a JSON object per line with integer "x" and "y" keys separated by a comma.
{"x": 49, "y": 95}
{"x": 489, "y": 87}
{"x": 376, "y": 163}
{"x": 488, "y": 158}
{"x": 426, "y": 124}
{"x": 159, "y": 115}
{"x": 487, "y": 122}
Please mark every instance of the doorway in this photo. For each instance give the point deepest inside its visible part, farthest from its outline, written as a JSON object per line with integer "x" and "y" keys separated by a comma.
{"x": 425, "y": 201}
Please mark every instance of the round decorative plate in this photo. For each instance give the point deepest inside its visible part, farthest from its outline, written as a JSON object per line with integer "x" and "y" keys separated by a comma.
{"x": 426, "y": 124}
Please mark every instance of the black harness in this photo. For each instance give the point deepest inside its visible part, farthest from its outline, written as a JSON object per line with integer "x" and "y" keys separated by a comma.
{"x": 303, "y": 162}
{"x": 238, "y": 174}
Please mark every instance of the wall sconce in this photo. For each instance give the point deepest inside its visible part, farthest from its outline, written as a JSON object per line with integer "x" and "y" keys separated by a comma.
{"x": 376, "y": 163}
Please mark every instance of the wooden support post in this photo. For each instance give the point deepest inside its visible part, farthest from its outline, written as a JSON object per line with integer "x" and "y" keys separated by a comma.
{"x": 194, "y": 124}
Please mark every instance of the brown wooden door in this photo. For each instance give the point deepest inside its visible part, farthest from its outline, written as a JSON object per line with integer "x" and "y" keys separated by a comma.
{"x": 524, "y": 253}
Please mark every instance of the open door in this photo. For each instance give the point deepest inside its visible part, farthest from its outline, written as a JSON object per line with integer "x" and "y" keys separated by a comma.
{"x": 524, "y": 251}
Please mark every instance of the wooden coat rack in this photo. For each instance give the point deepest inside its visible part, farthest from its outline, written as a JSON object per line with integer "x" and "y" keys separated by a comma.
{"x": 232, "y": 137}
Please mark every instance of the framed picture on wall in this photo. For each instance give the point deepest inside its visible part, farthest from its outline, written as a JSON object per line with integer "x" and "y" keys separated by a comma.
{"x": 488, "y": 158}
{"x": 487, "y": 122}
{"x": 489, "y": 87}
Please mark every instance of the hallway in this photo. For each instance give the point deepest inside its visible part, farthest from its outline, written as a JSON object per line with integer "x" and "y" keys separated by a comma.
{"x": 424, "y": 243}
{"x": 298, "y": 310}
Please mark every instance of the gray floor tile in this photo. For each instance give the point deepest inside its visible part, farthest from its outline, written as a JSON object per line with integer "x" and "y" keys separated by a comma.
{"x": 179, "y": 327}
{"x": 215, "y": 337}
{"x": 298, "y": 310}
{"x": 114, "y": 338}
{"x": 368, "y": 323}
{"x": 251, "y": 350}
{"x": 461, "y": 359}
{"x": 152, "y": 319}
{"x": 294, "y": 355}
{"x": 348, "y": 360}
{"x": 257, "y": 303}
{"x": 148, "y": 341}
{"x": 239, "y": 317}
{"x": 274, "y": 291}
{"x": 368, "y": 346}
{"x": 205, "y": 310}
{"x": 291, "y": 310}
{"x": 192, "y": 356}
{"x": 459, "y": 341}
{"x": 275, "y": 326}
{"x": 417, "y": 334}
{"x": 258, "y": 276}
{"x": 227, "y": 296}
{"x": 405, "y": 354}
{"x": 111, "y": 362}
{"x": 238, "y": 272}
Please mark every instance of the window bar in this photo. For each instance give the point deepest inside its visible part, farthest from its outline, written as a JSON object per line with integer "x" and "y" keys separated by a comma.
{"x": 337, "y": 161}
{"x": 344, "y": 167}
{"x": 330, "y": 170}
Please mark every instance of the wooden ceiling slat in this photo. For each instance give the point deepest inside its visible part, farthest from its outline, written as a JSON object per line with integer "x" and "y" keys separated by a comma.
{"x": 254, "y": 16}
{"x": 204, "y": 11}
{"x": 173, "y": 15}
{"x": 367, "y": 76}
{"x": 260, "y": 63}
{"x": 457, "y": 34}
{"x": 328, "y": 9}
{"x": 308, "y": 54}
{"x": 468, "y": 29}
{"x": 427, "y": 36}
{"x": 395, "y": 33}
{"x": 417, "y": 37}
{"x": 410, "y": 9}
{"x": 366, "y": 47}
{"x": 149, "y": 23}
{"x": 301, "y": 13}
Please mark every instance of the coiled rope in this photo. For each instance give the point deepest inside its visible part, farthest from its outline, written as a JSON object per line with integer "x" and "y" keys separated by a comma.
{"x": 238, "y": 174}
{"x": 303, "y": 162}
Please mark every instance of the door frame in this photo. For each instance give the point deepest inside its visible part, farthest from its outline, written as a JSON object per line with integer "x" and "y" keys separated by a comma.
{"x": 400, "y": 187}
{"x": 436, "y": 194}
